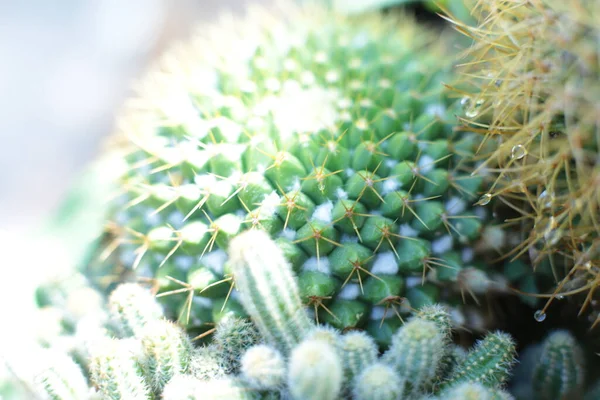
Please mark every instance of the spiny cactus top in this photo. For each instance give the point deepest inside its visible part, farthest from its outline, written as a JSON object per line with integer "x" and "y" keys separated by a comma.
{"x": 332, "y": 134}
{"x": 533, "y": 75}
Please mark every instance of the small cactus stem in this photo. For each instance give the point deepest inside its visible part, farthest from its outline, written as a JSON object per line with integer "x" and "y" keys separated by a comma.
{"x": 326, "y": 333}
{"x": 167, "y": 350}
{"x": 190, "y": 388}
{"x": 263, "y": 368}
{"x": 437, "y": 314}
{"x": 378, "y": 382}
{"x": 206, "y": 364}
{"x": 268, "y": 290}
{"x": 358, "y": 351}
{"x": 315, "y": 372}
{"x": 60, "y": 377}
{"x": 473, "y": 391}
{"x": 416, "y": 353}
{"x": 131, "y": 307}
{"x": 559, "y": 373}
{"x": 489, "y": 362}
{"x": 232, "y": 337}
{"x": 115, "y": 371}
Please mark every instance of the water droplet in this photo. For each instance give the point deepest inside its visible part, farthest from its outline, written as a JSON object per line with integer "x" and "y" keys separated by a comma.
{"x": 518, "y": 152}
{"x": 465, "y": 102}
{"x": 484, "y": 200}
{"x": 475, "y": 109}
{"x": 560, "y": 297}
{"x": 539, "y": 316}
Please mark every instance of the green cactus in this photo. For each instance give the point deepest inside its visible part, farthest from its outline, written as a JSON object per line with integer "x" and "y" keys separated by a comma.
{"x": 167, "y": 350}
{"x": 378, "y": 382}
{"x": 232, "y": 337}
{"x": 489, "y": 362}
{"x": 116, "y": 372}
{"x": 268, "y": 290}
{"x": 206, "y": 364}
{"x": 473, "y": 391}
{"x": 336, "y": 139}
{"x": 315, "y": 371}
{"x": 60, "y": 378}
{"x": 560, "y": 371}
{"x": 416, "y": 353}
{"x": 263, "y": 368}
{"x": 358, "y": 351}
{"x": 132, "y": 307}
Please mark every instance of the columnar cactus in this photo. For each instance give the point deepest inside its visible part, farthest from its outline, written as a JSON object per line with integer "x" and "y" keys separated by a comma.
{"x": 131, "y": 307}
{"x": 489, "y": 362}
{"x": 232, "y": 337}
{"x": 263, "y": 368}
{"x": 315, "y": 371}
{"x": 416, "y": 353}
{"x": 358, "y": 351}
{"x": 378, "y": 382}
{"x": 167, "y": 350}
{"x": 332, "y": 135}
{"x": 60, "y": 378}
{"x": 560, "y": 371}
{"x": 116, "y": 372}
{"x": 268, "y": 290}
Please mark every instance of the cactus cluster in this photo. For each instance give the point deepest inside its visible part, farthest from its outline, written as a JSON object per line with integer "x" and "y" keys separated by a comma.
{"x": 300, "y": 218}
{"x": 333, "y": 135}
{"x": 532, "y": 88}
{"x": 135, "y": 353}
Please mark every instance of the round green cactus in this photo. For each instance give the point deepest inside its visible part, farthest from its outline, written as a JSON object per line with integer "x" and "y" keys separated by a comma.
{"x": 333, "y": 135}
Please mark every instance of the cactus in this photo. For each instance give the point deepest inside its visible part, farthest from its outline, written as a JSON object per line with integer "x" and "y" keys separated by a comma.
{"x": 416, "y": 353}
{"x": 115, "y": 371}
{"x": 132, "y": 307}
{"x": 167, "y": 350}
{"x": 532, "y": 82}
{"x": 358, "y": 351}
{"x": 268, "y": 290}
{"x": 560, "y": 370}
{"x": 473, "y": 391}
{"x": 489, "y": 362}
{"x": 232, "y": 337}
{"x": 378, "y": 382}
{"x": 263, "y": 368}
{"x": 60, "y": 378}
{"x": 335, "y": 139}
{"x": 315, "y": 371}
{"x": 207, "y": 364}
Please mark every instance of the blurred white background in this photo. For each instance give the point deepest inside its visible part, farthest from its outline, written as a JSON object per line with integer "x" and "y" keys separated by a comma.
{"x": 65, "y": 69}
